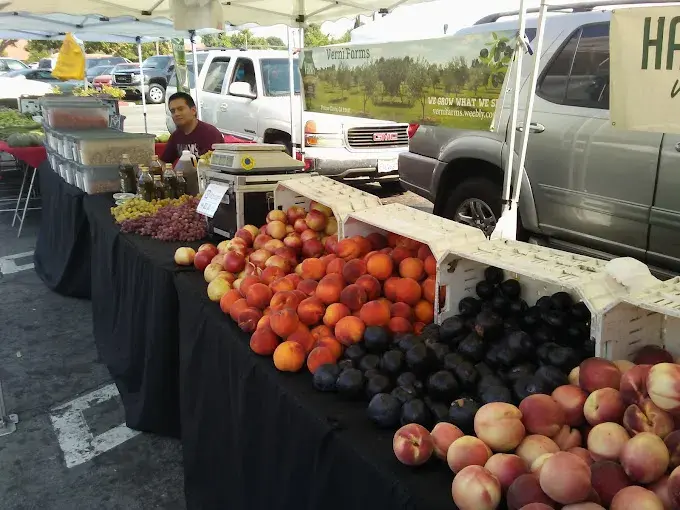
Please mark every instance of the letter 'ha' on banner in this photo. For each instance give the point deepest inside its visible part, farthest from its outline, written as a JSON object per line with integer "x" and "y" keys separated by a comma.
{"x": 448, "y": 81}
{"x": 645, "y": 69}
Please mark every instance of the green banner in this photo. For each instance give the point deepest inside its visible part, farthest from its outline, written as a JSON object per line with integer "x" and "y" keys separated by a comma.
{"x": 180, "y": 65}
{"x": 449, "y": 81}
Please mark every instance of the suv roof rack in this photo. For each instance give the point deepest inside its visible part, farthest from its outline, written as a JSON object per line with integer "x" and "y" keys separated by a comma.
{"x": 580, "y": 7}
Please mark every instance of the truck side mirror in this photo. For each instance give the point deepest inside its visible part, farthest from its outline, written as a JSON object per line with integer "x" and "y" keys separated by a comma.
{"x": 241, "y": 89}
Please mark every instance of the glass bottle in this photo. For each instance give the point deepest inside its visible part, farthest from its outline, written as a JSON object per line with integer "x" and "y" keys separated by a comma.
{"x": 181, "y": 188}
{"x": 170, "y": 181}
{"x": 145, "y": 186}
{"x": 126, "y": 171}
{"x": 158, "y": 189}
{"x": 156, "y": 168}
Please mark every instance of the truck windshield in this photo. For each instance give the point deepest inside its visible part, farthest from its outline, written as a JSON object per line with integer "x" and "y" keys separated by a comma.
{"x": 275, "y": 73}
{"x": 157, "y": 62}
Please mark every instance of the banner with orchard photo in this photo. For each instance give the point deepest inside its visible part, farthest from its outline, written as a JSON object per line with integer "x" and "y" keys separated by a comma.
{"x": 448, "y": 81}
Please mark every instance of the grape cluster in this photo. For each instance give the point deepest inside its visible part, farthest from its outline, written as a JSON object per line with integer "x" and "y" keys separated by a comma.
{"x": 170, "y": 223}
{"x": 136, "y": 207}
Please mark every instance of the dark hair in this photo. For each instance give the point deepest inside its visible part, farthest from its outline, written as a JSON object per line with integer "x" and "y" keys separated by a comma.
{"x": 183, "y": 95}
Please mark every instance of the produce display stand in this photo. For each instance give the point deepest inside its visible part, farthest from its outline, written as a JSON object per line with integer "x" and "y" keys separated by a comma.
{"x": 440, "y": 234}
{"x": 341, "y": 198}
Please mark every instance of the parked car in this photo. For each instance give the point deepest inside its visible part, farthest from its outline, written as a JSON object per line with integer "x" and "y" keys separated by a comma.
{"x": 104, "y": 61}
{"x": 44, "y": 76}
{"x": 11, "y": 64}
{"x": 106, "y": 79}
{"x": 588, "y": 187}
{"x": 157, "y": 72}
{"x": 13, "y": 88}
{"x": 95, "y": 71}
{"x": 246, "y": 94}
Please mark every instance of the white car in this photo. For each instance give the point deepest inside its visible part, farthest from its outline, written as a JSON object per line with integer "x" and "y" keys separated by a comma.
{"x": 11, "y": 88}
{"x": 247, "y": 94}
{"x": 11, "y": 64}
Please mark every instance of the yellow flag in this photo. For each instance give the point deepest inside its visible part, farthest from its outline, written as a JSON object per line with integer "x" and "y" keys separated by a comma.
{"x": 70, "y": 60}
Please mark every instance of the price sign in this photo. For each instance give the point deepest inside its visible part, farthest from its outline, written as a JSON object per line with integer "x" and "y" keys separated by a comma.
{"x": 212, "y": 197}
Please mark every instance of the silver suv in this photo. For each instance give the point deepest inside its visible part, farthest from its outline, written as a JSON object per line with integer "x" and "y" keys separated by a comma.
{"x": 588, "y": 188}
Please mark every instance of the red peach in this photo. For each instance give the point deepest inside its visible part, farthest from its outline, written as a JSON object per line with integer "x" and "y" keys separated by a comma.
{"x": 316, "y": 220}
{"x": 330, "y": 343}
{"x": 272, "y": 273}
{"x": 663, "y": 386}
{"x": 607, "y": 440}
{"x": 402, "y": 310}
{"x": 636, "y": 498}
{"x": 274, "y": 245}
{"x": 380, "y": 266}
{"x": 348, "y": 249}
{"x": 311, "y": 311}
{"x": 229, "y": 299}
{"x": 375, "y": 313}
{"x": 633, "y": 385}
{"x": 399, "y": 254}
{"x": 349, "y": 330}
{"x": 443, "y": 434}
{"x": 248, "y": 282}
{"x": 542, "y": 415}
{"x": 330, "y": 243}
{"x": 364, "y": 245}
{"x": 475, "y": 488}
{"x": 284, "y": 322}
{"x": 302, "y": 336}
{"x": 390, "y": 288}
{"x": 430, "y": 265}
{"x": 371, "y": 285}
{"x": 236, "y": 308}
{"x": 264, "y": 342}
{"x": 276, "y": 215}
{"x": 329, "y": 289}
{"x": 424, "y": 311}
{"x": 429, "y": 288}
{"x": 313, "y": 269}
{"x": 258, "y": 295}
{"x": 277, "y": 229}
{"x": 608, "y": 478}
{"x": 282, "y": 285}
{"x": 645, "y": 458}
{"x": 526, "y": 490}
{"x": 248, "y": 319}
{"x": 467, "y": 451}
{"x": 335, "y": 312}
{"x": 398, "y": 325}
{"x": 567, "y": 438}
{"x": 647, "y": 417}
{"x": 261, "y": 240}
{"x": 321, "y": 331}
{"x": 582, "y": 453}
{"x": 662, "y": 490}
{"x": 532, "y": 447}
{"x": 293, "y": 241}
{"x": 507, "y": 468}
{"x": 234, "y": 262}
{"x": 295, "y": 212}
{"x": 597, "y": 373}
{"x": 312, "y": 248}
{"x": 672, "y": 442}
{"x": 565, "y": 478}
{"x": 408, "y": 291}
{"x": 571, "y": 399}
{"x": 320, "y": 356}
{"x": 300, "y": 225}
{"x": 289, "y": 357}
{"x": 293, "y": 278}
{"x": 652, "y": 355}
{"x": 335, "y": 266}
{"x": 353, "y": 297}
{"x": 412, "y": 267}
{"x": 307, "y": 286}
{"x": 353, "y": 270}
{"x": 412, "y": 445}
{"x": 378, "y": 241}
{"x": 286, "y": 299}
{"x": 604, "y": 405}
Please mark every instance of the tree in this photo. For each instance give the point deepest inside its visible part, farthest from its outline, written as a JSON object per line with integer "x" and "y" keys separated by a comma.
{"x": 6, "y": 43}
{"x": 392, "y": 73}
{"x": 276, "y": 42}
{"x": 418, "y": 83}
{"x": 315, "y": 37}
{"x": 434, "y": 75}
{"x": 456, "y": 75}
{"x": 368, "y": 77}
{"x": 41, "y": 49}
{"x": 344, "y": 77}
{"x": 476, "y": 78}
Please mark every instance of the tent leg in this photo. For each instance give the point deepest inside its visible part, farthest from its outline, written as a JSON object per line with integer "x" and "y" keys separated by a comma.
{"x": 195, "y": 71}
{"x": 291, "y": 86}
{"x": 302, "y": 95}
{"x": 141, "y": 77}
{"x": 8, "y": 423}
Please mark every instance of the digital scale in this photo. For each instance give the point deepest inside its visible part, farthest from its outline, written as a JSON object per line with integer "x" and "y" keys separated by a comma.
{"x": 250, "y": 172}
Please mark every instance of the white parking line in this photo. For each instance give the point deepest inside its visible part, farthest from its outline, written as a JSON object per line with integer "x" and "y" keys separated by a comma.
{"x": 8, "y": 266}
{"x": 75, "y": 437}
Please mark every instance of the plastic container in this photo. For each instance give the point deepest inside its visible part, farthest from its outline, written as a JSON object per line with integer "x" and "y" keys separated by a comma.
{"x": 540, "y": 271}
{"x": 71, "y": 172}
{"x": 104, "y": 147}
{"x": 97, "y": 179}
{"x": 76, "y": 116}
{"x": 187, "y": 164}
{"x": 439, "y": 234}
{"x": 342, "y": 199}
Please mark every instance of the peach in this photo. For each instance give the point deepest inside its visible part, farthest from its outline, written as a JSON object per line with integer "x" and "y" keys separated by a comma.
{"x": 645, "y": 458}
{"x": 202, "y": 259}
{"x": 353, "y": 297}
{"x": 229, "y": 299}
{"x": 636, "y": 498}
{"x": 349, "y": 330}
{"x": 652, "y": 355}
{"x": 423, "y": 252}
{"x": 236, "y": 308}
{"x": 623, "y": 365}
{"x": 430, "y": 265}
{"x": 293, "y": 241}
{"x": 597, "y": 373}
{"x": 284, "y": 322}
{"x": 582, "y": 453}
{"x": 532, "y": 447}
{"x": 542, "y": 415}
{"x": 526, "y": 490}
{"x": 364, "y": 245}
{"x": 607, "y": 440}
{"x": 567, "y": 438}
{"x": 295, "y": 212}
{"x": 223, "y": 246}
{"x": 412, "y": 445}
{"x": 259, "y": 257}
{"x": 663, "y": 386}
{"x": 500, "y": 426}
{"x": 330, "y": 243}
{"x": 264, "y": 342}
{"x": 407, "y": 291}
{"x": 276, "y": 215}
{"x": 312, "y": 248}
{"x": 574, "y": 376}
{"x": 320, "y": 356}
{"x": 424, "y": 311}
{"x": 330, "y": 343}
{"x": 371, "y": 285}
{"x": 313, "y": 269}
{"x": 272, "y": 273}
{"x": 672, "y": 442}
{"x": 380, "y": 266}
{"x": 248, "y": 282}
{"x": 377, "y": 240}
{"x": 506, "y": 468}
{"x": 647, "y": 417}
{"x": 245, "y": 235}
{"x": 608, "y": 478}
{"x": 261, "y": 240}
{"x": 211, "y": 271}
{"x": 311, "y": 311}
{"x": 300, "y": 225}
{"x": 289, "y": 356}
{"x": 184, "y": 256}
{"x": 633, "y": 385}
{"x": 412, "y": 268}
{"x": 336, "y": 266}
{"x": 443, "y": 434}
{"x": 329, "y": 290}
{"x": 316, "y": 206}
{"x": 248, "y": 319}
{"x": 402, "y": 310}
{"x": 537, "y": 465}
{"x": 316, "y": 220}
{"x": 217, "y": 259}
{"x": 398, "y": 325}
{"x": 390, "y": 288}
{"x": 604, "y": 405}
{"x": 467, "y": 451}
{"x": 428, "y": 288}
{"x": 258, "y": 295}
{"x": 375, "y": 313}
{"x": 571, "y": 399}
{"x": 335, "y": 312}
{"x": 586, "y": 505}
{"x": 263, "y": 322}
{"x": 210, "y": 248}
{"x": 287, "y": 254}
{"x": 662, "y": 490}
{"x": 400, "y": 253}
{"x": 475, "y": 488}
{"x": 348, "y": 249}
{"x": 276, "y": 229}
{"x": 218, "y": 288}
{"x": 353, "y": 269}
{"x": 307, "y": 286}
{"x": 294, "y": 278}
{"x": 565, "y": 478}
{"x": 286, "y": 299}
{"x": 331, "y": 227}
{"x": 278, "y": 261}
{"x": 321, "y": 331}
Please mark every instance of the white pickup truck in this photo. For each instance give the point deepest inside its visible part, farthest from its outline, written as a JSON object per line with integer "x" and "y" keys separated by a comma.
{"x": 245, "y": 93}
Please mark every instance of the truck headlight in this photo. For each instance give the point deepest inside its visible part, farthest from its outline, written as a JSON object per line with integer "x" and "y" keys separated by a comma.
{"x": 323, "y": 140}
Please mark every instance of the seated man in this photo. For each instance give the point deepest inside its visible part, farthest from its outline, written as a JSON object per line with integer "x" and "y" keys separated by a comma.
{"x": 191, "y": 134}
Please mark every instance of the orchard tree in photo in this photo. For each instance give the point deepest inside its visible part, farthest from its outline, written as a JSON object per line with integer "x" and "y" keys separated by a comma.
{"x": 392, "y": 72}
{"x": 418, "y": 83}
{"x": 435, "y": 76}
{"x": 368, "y": 76}
{"x": 344, "y": 77}
{"x": 476, "y": 78}
{"x": 456, "y": 75}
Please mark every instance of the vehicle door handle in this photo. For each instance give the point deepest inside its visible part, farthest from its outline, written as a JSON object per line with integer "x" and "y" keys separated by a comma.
{"x": 677, "y": 146}
{"x": 223, "y": 107}
{"x": 533, "y": 128}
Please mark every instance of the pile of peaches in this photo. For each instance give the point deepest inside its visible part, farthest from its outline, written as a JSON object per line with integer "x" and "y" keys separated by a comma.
{"x": 305, "y": 296}
{"x": 609, "y": 439}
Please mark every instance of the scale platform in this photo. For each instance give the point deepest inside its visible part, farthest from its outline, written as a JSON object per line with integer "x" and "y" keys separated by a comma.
{"x": 253, "y": 158}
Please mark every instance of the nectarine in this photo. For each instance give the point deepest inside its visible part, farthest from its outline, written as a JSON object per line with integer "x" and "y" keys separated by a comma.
{"x": 289, "y": 356}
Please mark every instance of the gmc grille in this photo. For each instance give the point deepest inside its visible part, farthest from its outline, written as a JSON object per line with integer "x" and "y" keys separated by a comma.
{"x": 123, "y": 78}
{"x": 377, "y": 137}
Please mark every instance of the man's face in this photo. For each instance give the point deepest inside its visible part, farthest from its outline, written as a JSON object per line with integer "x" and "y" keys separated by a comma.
{"x": 181, "y": 113}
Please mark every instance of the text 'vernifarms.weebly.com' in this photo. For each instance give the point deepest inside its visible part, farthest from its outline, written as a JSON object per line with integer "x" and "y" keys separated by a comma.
{"x": 473, "y": 114}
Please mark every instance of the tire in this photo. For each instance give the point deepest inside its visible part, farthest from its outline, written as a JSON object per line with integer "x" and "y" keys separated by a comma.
{"x": 481, "y": 190}
{"x": 285, "y": 142}
{"x": 392, "y": 187}
{"x": 155, "y": 94}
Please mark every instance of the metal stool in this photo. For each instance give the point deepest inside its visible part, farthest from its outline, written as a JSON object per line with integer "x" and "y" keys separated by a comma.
{"x": 30, "y": 195}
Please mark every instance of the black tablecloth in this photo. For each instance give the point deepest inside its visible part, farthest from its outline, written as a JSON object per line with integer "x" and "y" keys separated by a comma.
{"x": 62, "y": 251}
{"x": 255, "y": 438}
{"x": 135, "y": 316}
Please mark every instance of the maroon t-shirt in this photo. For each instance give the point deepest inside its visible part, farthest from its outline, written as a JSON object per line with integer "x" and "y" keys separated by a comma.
{"x": 198, "y": 142}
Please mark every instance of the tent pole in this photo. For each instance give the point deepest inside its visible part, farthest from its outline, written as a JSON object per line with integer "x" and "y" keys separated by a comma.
{"x": 195, "y": 71}
{"x": 530, "y": 104}
{"x": 141, "y": 77}
{"x": 302, "y": 104}
{"x": 291, "y": 87}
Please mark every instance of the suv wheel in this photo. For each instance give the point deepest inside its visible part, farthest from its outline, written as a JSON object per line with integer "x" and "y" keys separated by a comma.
{"x": 475, "y": 202}
{"x": 155, "y": 94}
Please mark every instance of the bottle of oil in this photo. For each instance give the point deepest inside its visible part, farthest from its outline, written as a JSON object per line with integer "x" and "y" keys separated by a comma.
{"x": 145, "y": 186}
{"x": 158, "y": 189}
{"x": 181, "y": 188}
{"x": 170, "y": 181}
{"x": 127, "y": 175}
{"x": 155, "y": 168}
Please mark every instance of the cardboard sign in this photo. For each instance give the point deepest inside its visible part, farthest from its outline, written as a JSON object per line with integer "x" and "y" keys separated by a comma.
{"x": 211, "y": 199}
